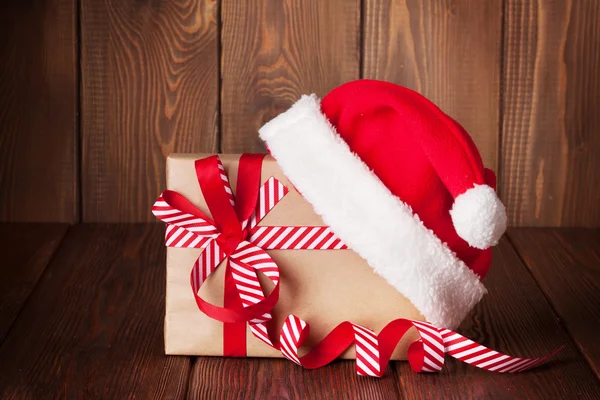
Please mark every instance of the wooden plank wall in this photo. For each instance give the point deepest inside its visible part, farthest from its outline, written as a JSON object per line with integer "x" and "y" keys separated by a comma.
{"x": 550, "y": 169}
{"x": 95, "y": 93}
{"x": 149, "y": 87}
{"x": 38, "y": 111}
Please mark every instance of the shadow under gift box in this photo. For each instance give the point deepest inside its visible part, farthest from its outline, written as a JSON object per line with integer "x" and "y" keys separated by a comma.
{"x": 322, "y": 287}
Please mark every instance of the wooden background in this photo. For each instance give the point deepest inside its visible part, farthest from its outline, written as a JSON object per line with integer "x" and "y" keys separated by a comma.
{"x": 94, "y": 94}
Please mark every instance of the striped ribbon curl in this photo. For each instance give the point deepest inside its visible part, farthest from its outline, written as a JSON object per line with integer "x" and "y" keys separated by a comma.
{"x": 192, "y": 229}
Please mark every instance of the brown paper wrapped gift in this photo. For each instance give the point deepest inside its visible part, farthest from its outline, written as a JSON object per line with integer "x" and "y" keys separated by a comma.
{"x": 323, "y": 287}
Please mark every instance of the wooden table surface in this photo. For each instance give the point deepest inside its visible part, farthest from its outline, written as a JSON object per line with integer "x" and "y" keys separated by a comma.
{"x": 81, "y": 317}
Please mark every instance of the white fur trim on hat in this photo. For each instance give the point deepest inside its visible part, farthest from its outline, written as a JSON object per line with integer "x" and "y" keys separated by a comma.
{"x": 479, "y": 216}
{"x": 363, "y": 212}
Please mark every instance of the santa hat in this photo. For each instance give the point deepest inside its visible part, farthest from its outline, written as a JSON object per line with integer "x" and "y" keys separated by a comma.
{"x": 402, "y": 184}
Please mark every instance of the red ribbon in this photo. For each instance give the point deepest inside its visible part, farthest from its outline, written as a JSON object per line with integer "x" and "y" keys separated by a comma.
{"x": 230, "y": 232}
{"x": 229, "y": 222}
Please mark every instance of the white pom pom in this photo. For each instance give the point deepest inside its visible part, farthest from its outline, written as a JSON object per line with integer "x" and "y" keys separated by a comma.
{"x": 479, "y": 217}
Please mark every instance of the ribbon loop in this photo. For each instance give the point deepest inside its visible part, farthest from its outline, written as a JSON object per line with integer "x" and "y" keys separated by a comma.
{"x": 249, "y": 168}
{"x": 189, "y": 227}
{"x": 373, "y": 352}
{"x": 217, "y": 193}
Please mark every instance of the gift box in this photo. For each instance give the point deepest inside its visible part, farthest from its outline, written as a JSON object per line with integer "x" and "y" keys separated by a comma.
{"x": 366, "y": 236}
{"x": 324, "y": 287}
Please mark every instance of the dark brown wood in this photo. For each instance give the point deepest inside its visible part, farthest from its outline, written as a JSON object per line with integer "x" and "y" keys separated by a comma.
{"x": 38, "y": 104}
{"x": 26, "y": 250}
{"x": 566, "y": 265}
{"x": 221, "y": 378}
{"x": 149, "y": 87}
{"x": 94, "y": 326}
{"x": 274, "y": 51}
{"x": 551, "y": 89}
{"x": 447, "y": 50}
{"x": 514, "y": 318}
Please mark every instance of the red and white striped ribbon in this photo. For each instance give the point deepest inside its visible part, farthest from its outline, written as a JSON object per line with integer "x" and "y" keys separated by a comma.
{"x": 245, "y": 262}
{"x": 269, "y": 195}
{"x": 433, "y": 344}
{"x": 296, "y": 238}
{"x": 287, "y": 237}
{"x": 480, "y": 356}
{"x": 367, "y": 351}
{"x": 205, "y": 264}
{"x": 185, "y": 230}
{"x": 225, "y": 180}
{"x": 189, "y": 231}
{"x": 290, "y": 338}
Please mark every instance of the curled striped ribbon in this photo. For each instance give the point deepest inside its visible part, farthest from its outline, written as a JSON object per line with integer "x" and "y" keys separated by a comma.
{"x": 188, "y": 227}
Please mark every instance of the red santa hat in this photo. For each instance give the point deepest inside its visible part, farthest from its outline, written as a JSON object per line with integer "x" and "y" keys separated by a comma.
{"x": 402, "y": 184}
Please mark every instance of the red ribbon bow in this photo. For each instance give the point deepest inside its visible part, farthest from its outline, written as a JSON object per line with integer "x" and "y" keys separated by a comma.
{"x": 226, "y": 236}
{"x": 234, "y": 235}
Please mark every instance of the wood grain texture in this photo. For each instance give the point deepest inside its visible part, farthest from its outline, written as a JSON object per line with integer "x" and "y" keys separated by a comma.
{"x": 550, "y": 140}
{"x": 514, "y": 318}
{"x": 94, "y": 326}
{"x": 273, "y": 52}
{"x": 38, "y": 86}
{"x": 149, "y": 88}
{"x": 93, "y": 329}
{"x": 228, "y": 378}
{"x": 449, "y": 51}
{"x": 566, "y": 264}
{"x": 26, "y": 250}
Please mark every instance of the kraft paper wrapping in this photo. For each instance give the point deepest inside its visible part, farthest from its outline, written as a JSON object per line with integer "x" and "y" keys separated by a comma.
{"x": 323, "y": 287}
